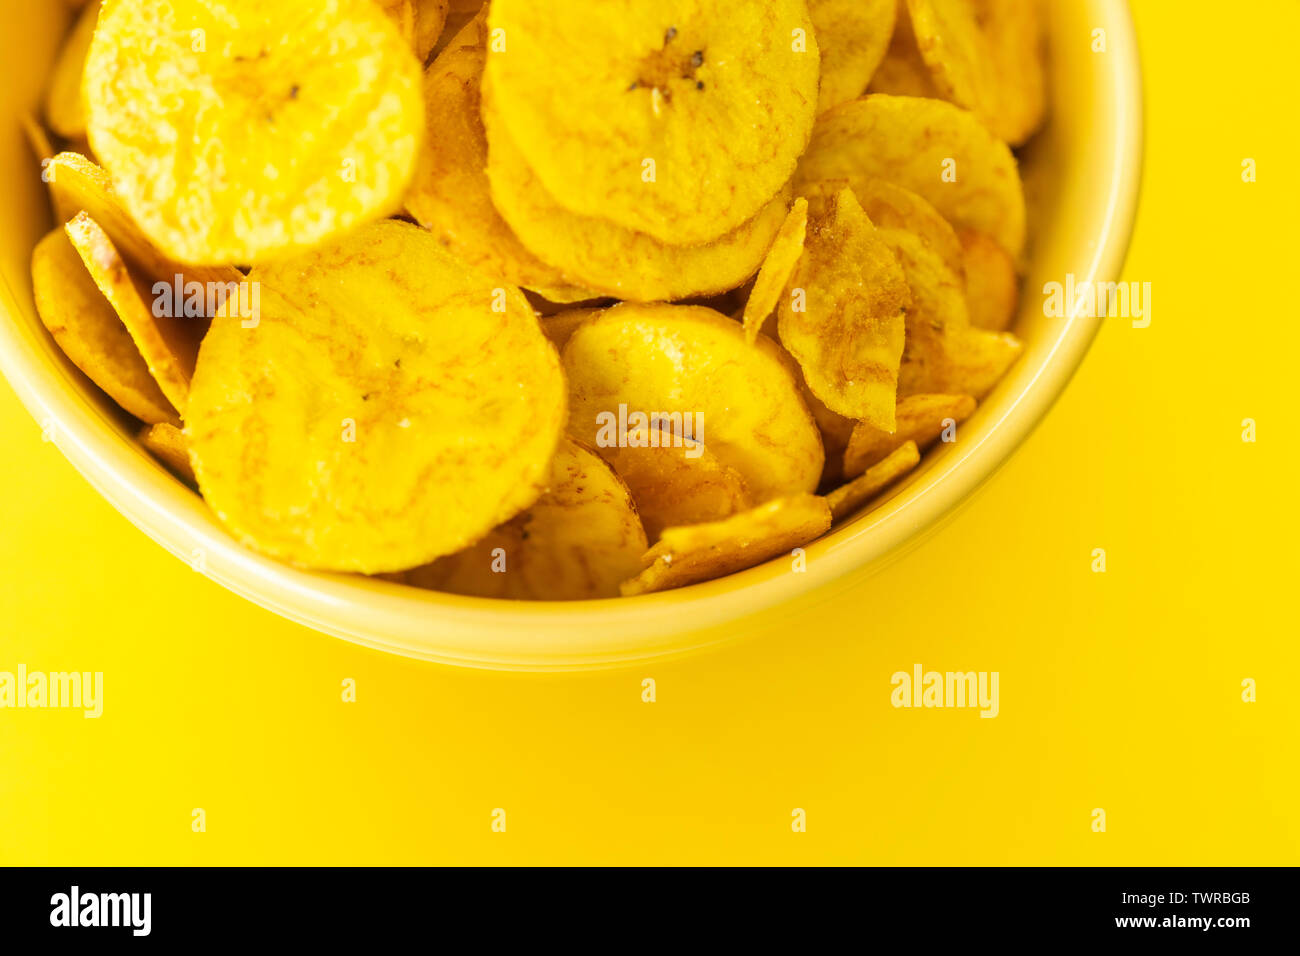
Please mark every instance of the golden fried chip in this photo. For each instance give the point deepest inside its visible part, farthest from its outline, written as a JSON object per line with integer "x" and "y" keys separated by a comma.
{"x": 992, "y": 289}
{"x": 459, "y": 13}
{"x": 935, "y": 149}
{"x": 843, "y": 320}
{"x": 168, "y": 343}
{"x": 167, "y": 443}
{"x": 675, "y": 481}
{"x": 402, "y": 13}
{"x": 921, "y": 419}
{"x": 778, "y": 265}
{"x": 853, "y": 36}
{"x": 430, "y": 18}
{"x": 611, "y": 259}
{"x": 691, "y": 368}
{"x": 702, "y": 552}
{"x": 846, "y": 499}
{"x": 64, "y": 110}
{"x": 986, "y": 56}
{"x": 679, "y": 119}
{"x": 903, "y": 72}
{"x": 89, "y": 332}
{"x": 578, "y": 541}
{"x": 237, "y": 132}
{"x": 388, "y": 408}
{"x": 449, "y": 195}
{"x": 560, "y": 326}
{"x": 835, "y": 431}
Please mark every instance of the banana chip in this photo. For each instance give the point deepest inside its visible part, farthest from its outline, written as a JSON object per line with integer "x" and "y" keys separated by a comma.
{"x": 449, "y": 195}
{"x": 680, "y": 119}
{"x": 611, "y": 259}
{"x": 560, "y": 326}
{"x": 690, "y": 368}
{"x": 903, "y": 72}
{"x": 778, "y": 265}
{"x": 430, "y": 19}
{"x": 234, "y": 132}
{"x": 169, "y": 344}
{"x": 920, "y": 419}
{"x": 835, "y": 431}
{"x": 986, "y": 56}
{"x": 843, "y": 320}
{"x": 89, "y": 332}
{"x": 846, "y": 499}
{"x": 387, "y": 409}
{"x": 675, "y": 482}
{"x": 853, "y": 36}
{"x": 63, "y": 107}
{"x": 705, "y": 551}
{"x": 941, "y": 152}
{"x": 459, "y": 13}
{"x": 992, "y": 289}
{"x": 578, "y": 541}
{"x": 167, "y": 443}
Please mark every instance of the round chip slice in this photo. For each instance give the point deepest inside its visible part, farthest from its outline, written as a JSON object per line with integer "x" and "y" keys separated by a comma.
{"x": 935, "y": 149}
{"x": 64, "y": 110}
{"x": 665, "y": 363}
{"x": 992, "y": 289}
{"x": 388, "y": 408}
{"x": 920, "y": 419}
{"x": 611, "y": 259}
{"x": 902, "y": 72}
{"x": 234, "y": 132}
{"x": 679, "y": 119}
{"x": 853, "y": 36}
{"x": 705, "y": 551}
{"x": 167, "y": 443}
{"x": 578, "y": 541}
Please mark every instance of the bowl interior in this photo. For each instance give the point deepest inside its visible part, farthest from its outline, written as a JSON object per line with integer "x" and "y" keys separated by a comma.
{"x": 1081, "y": 178}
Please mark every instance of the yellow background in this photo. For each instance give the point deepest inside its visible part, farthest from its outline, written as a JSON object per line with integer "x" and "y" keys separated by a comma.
{"x": 1118, "y": 690}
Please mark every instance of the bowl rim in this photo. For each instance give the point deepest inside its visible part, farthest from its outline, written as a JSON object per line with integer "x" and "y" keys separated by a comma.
{"x": 532, "y": 636}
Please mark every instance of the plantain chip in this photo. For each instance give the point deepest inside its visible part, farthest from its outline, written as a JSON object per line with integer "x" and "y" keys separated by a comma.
{"x": 430, "y": 19}
{"x": 853, "y": 36}
{"x": 560, "y": 326}
{"x": 921, "y": 419}
{"x": 597, "y": 254}
{"x": 64, "y": 110}
{"x": 986, "y": 56}
{"x": 675, "y": 481}
{"x": 236, "y": 132}
{"x": 459, "y": 13}
{"x": 169, "y": 344}
{"x": 930, "y": 147}
{"x": 702, "y": 552}
{"x": 843, "y": 320}
{"x": 387, "y": 409}
{"x": 89, "y": 332}
{"x": 450, "y": 195}
{"x": 691, "y": 368}
{"x": 778, "y": 265}
{"x": 903, "y": 72}
{"x": 992, "y": 289}
{"x": 167, "y": 443}
{"x": 835, "y": 431}
{"x": 679, "y": 119}
{"x": 846, "y": 499}
{"x": 578, "y": 541}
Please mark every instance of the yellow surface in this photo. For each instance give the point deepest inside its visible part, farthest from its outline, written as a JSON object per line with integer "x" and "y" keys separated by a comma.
{"x": 1118, "y": 690}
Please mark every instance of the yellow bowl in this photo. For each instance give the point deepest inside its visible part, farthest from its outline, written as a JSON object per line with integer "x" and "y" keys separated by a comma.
{"x": 1082, "y": 176}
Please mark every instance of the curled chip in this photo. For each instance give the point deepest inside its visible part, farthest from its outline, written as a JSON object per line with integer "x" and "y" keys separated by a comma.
{"x": 680, "y": 119}
{"x": 777, "y": 267}
{"x": 705, "y": 551}
{"x": 238, "y": 131}
{"x": 690, "y": 368}
{"x": 933, "y": 148}
{"x": 846, "y": 499}
{"x": 921, "y": 419}
{"x": 843, "y": 320}
{"x": 992, "y": 289}
{"x": 986, "y": 56}
{"x": 63, "y": 107}
{"x": 450, "y": 195}
{"x": 835, "y": 431}
{"x": 77, "y": 184}
{"x": 88, "y": 330}
{"x": 597, "y": 254}
{"x": 168, "y": 343}
{"x": 168, "y": 445}
{"x": 387, "y": 408}
{"x": 853, "y": 36}
{"x": 902, "y": 72}
{"x": 578, "y": 541}
{"x": 675, "y": 480}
